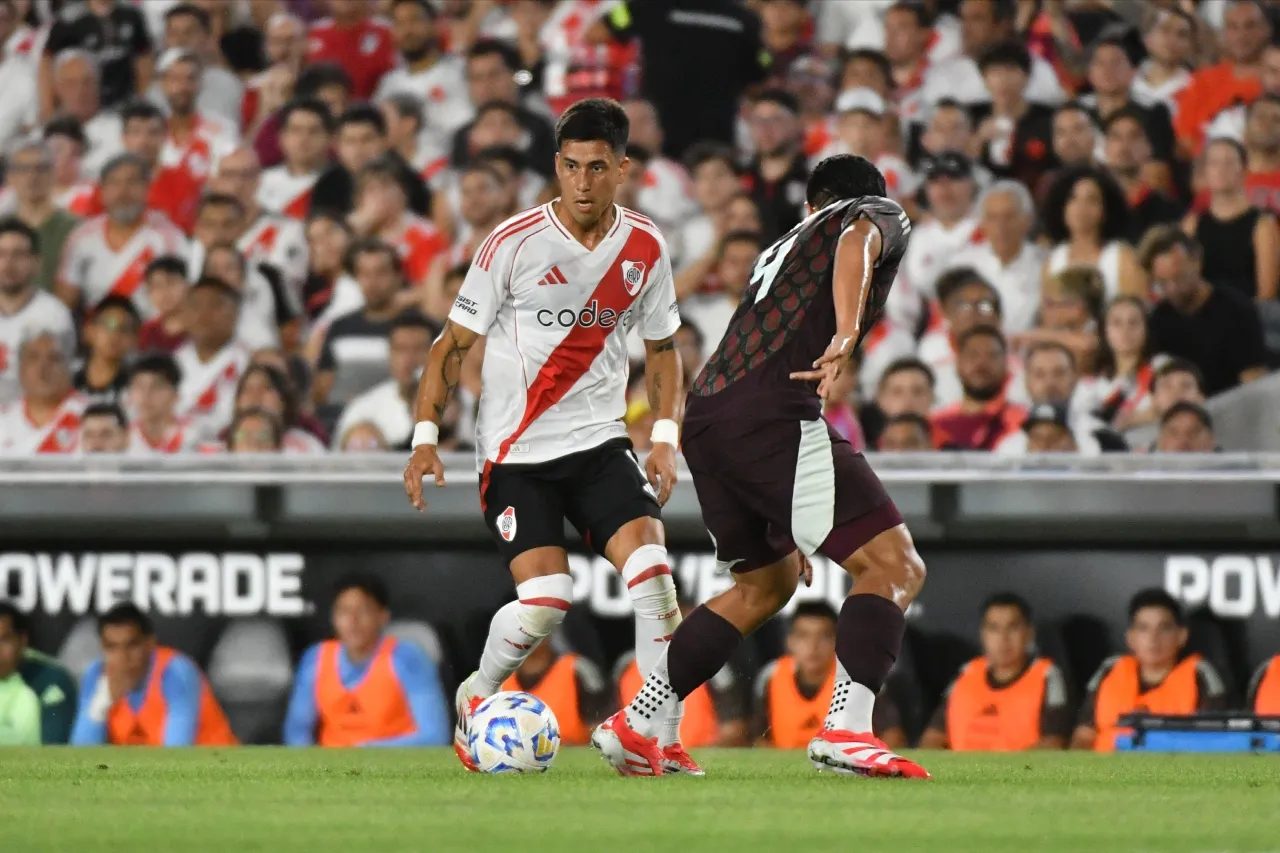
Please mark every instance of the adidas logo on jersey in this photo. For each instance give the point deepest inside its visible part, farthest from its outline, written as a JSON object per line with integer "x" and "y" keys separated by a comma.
{"x": 553, "y": 277}
{"x": 589, "y": 316}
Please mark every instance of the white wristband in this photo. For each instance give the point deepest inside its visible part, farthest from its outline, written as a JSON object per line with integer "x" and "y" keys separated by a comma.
{"x": 425, "y": 432}
{"x": 665, "y": 431}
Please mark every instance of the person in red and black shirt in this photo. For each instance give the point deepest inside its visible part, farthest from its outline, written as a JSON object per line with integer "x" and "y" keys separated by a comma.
{"x": 116, "y": 34}
{"x": 983, "y": 417}
{"x": 777, "y": 176}
{"x": 1128, "y": 152}
{"x": 352, "y": 38}
{"x": 1015, "y": 136}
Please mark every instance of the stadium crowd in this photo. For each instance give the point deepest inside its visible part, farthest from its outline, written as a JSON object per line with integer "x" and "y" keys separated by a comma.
{"x": 236, "y": 225}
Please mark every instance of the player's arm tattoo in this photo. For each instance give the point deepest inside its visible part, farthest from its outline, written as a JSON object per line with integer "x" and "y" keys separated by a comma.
{"x": 451, "y": 369}
{"x": 444, "y": 370}
{"x": 663, "y": 375}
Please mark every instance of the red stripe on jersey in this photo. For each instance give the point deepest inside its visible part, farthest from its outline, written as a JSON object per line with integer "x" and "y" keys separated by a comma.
{"x": 649, "y": 574}
{"x": 132, "y": 277}
{"x": 265, "y": 240}
{"x": 546, "y": 601}
{"x": 299, "y": 207}
{"x": 490, "y": 247}
{"x": 559, "y": 276}
{"x": 635, "y": 217}
{"x": 484, "y": 484}
{"x": 574, "y": 355}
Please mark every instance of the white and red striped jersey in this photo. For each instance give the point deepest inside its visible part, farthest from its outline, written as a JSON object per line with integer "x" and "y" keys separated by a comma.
{"x": 442, "y": 88}
{"x": 556, "y": 317}
{"x": 175, "y": 440}
{"x": 95, "y": 268}
{"x": 42, "y": 313}
{"x": 286, "y": 194}
{"x": 19, "y": 436}
{"x": 279, "y": 242}
{"x": 206, "y": 397}
{"x": 79, "y": 198}
{"x": 212, "y": 138}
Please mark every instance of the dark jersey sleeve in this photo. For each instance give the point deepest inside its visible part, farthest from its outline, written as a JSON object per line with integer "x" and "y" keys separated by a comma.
{"x": 892, "y": 221}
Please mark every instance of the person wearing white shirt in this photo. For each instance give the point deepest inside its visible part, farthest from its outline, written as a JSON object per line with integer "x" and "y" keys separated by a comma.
{"x": 665, "y": 194}
{"x": 77, "y": 91}
{"x": 189, "y": 28}
{"x": 1051, "y": 378}
{"x": 1170, "y": 42}
{"x": 25, "y": 309}
{"x": 17, "y": 80}
{"x": 1006, "y": 258}
{"x": 388, "y": 405}
{"x": 715, "y": 181}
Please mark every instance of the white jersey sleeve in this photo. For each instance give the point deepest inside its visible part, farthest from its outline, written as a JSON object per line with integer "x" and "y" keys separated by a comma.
{"x": 478, "y": 301}
{"x": 659, "y": 312}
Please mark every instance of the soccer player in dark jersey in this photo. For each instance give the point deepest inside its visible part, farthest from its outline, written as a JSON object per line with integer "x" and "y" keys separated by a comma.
{"x": 777, "y": 485}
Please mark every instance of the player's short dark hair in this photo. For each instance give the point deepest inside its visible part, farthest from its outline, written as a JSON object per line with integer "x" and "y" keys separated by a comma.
{"x": 423, "y": 5}
{"x": 211, "y": 282}
{"x": 595, "y": 119}
{"x": 1184, "y": 407}
{"x": 493, "y": 47}
{"x": 157, "y": 364}
{"x": 1008, "y": 599}
{"x": 908, "y": 364}
{"x": 412, "y": 318}
{"x": 190, "y": 10}
{"x": 370, "y": 584}
{"x": 513, "y": 157}
{"x": 875, "y": 57}
{"x": 373, "y": 246}
{"x": 781, "y": 97}
{"x": 1156, "y": 597}
{"x": 115, "y": 301}
{"x": 273, "y": 421}
{"x": 138, "y": 108}
{"x": 68, "y": 126}
{"x": 14, "y": 225}
{"x": 364, "y": 114}
{"x": 1115, "y": 208}
{"x": 17, "y": 619}
{"x": 123, "y": 160}
{"x": 219, "y": 200}
{"x": 408, "y": 105}
{"x": 841, "y": 177}
{"x": 705, "y": 152}
{"x": 1178, "y": 364}
{"x": 1049, "y": 346}
{"x": 126, "y": 613}
{"x": 1006, "y": 54}
{"x": 983, "y": 330}
{"x": 322, "y": 75}
{"x": 106, "y": 410}
{"x": 1162, "y": 239}
{"x": 741, "y": 235}
{"x": 170, "y": 264}
{"x": 307, "y": 105}
{"x": 916, "y": 9}
{"x": 817, "y": 609}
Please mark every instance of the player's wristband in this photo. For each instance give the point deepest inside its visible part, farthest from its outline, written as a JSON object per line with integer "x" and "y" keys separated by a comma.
{"x": 425, "y": 432}
{"x": 665, "y": 431}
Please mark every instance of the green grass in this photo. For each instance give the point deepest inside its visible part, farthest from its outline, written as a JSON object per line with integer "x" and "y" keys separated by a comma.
{"x": 387, "y": 801}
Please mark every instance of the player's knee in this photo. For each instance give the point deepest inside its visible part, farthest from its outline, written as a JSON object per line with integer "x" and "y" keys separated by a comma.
{"x": 769, "y": 594}
{"x": 912, "y": 571}
{"x": 544, "y": 601}
{"x": 647, "y": 574}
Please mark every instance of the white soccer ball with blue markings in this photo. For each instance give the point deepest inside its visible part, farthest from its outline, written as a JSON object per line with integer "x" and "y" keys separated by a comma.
{"x": 513, "y": 732}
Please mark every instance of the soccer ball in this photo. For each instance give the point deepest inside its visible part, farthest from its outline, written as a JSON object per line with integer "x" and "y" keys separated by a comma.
{"x": 513, "y": 733}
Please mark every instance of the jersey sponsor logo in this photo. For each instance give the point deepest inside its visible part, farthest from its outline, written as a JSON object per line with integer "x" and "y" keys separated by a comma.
{"x": 465, "y": 304}
{"x": 507, "y": 524}
{"x": 589, "y": 316}
{"x": 553, "y": 276}
{"x": 632, "y": 276}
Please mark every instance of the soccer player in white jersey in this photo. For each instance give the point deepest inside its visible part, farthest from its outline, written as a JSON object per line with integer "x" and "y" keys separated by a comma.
{"x": 24, "y": 307}
{"x": 575, "y": 275}
{"x": 306, "y": 131}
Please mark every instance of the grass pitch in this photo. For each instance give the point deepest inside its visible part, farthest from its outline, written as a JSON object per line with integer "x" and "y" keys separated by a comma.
{"x": 267, "y": 799}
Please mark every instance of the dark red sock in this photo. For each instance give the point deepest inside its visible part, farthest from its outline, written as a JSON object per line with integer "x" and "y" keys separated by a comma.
{"x": 701, "y": 646}
{"x": 869, "y": 638}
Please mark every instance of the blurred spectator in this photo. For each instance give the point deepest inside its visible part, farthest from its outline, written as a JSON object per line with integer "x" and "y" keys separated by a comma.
{"x": 46, "y": 417}
{"x": 1169, "y": 38}
{"x": 862, "y": 128}
{"x": 306, "y": 130}
{"x": 1233, "y": 122}
{"x": 140, "y": 693}
{"x": 1213, "y": 88}
{"x": 212, "y": 360}
{"x": 266, "y": 388}
{"x": 1262, "y": 141}
{"x": 253, "y": 431}
{"x": 1241, "y": 243}
{"x": 949, "y": 127}
{"x": 17, "y": 80}
{"x": 677, "y": 37}
{"x": 24, "y": 307}
{"x": 404, "y": 115}
{"x": 76, "y": 87}
{"x": 363, "y": 437}
{"x": 165, "y": 285}
{"x": 1008, "y": 699}
{"x": 67, "y": 146}
{"x": 103, "y": 429}
{"x": 328, "y": 239}
{"x": 268, "y": 314}
{"x": 389, "y": 405}
{"x": 491, "y": 68}
{"x": 381, "y": 212}
{"x": 1120, "y": 392}
{"x": 361, "y": 139}
{"x": 111, "y": 335}
{"x": 1007, "y": 259}
{"x": 1264, "y": 688}
{"x": 1047, "y": 429}
{"x": 1185, "y": 428}
{"x": 967, "y": 300}
{"x": 1111, "y": 75}
{"x": 909, "y": 40}
{"x": 110, "y": 253}
{"x": 29, "y": 171}
{"x": 786, "y": 32}
{"x": 1015, "y": 136}
{"x": 152, "y": 398}
{"x": 811, "y": 79}
{"x": 1084, "y": 216}
{"x": 189, "y": 28}
{"x": 1155, "y": 676}
{"x": 691, "y": 344}
{"x": 665, "y": 194}
{"x": 1051, "y": 376}
{"x": 906, "y": 433}
{"x": 37, "y": 692}
{"x": 285, "y": 46}
{"x": 438, "y": 80}
{"x": 1075, "y": 142}
{"x": 711, "y": 310}
{"x": 777, "y": 176}
{"x": 1215, "y": 328}
{"x": 573, "y": 687}
{"x": 483, "y": 206}
{"x": 1176, "y": 380}
{"x": 905, "y": 387}
{"x": 116, "y": 36}
{"x": 1128, "y": 154}
{"x": 984, "y": 416}
{"x": 365, "y": 688}
{"x": 352, "y": 37}
{"x": 1070, "y": 315}
{"x": 714, "y": 177}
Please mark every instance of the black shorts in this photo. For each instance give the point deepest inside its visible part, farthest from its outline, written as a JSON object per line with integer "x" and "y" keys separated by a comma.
{"x": 597, "y": 491}
{"x": 767, "y": 488}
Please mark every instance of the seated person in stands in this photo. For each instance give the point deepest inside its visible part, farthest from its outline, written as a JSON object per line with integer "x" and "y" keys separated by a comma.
{"x": 906, "y": 433}
{"x": 905, "y": 387}
{"x": 1047, "y": 429}
{"x": 793, "y": 693}
{"x": 165, "y": 282}
{"x": 1008, "y": 699}
{"x": 714, "y": 715}
{"x": 365, "y": 688}
{"x": 1176, "y": 380}
{"x": 252, "y": 431}
{"x": 1264, "y": 689}
{"x": 37, "y": 693}
{"x": 1070, "y": 315}
{"x": 984, "y": 416}
{"x": 1157, "y": 675}
{"x": 104, "y": 429}
{"x": 140, "y": 693}
{"x": 572, "y": 686}
{"x": 1186, "y": 428}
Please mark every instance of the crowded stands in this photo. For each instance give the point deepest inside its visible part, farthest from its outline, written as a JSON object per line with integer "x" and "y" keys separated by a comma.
{"x": 232, "y": 225}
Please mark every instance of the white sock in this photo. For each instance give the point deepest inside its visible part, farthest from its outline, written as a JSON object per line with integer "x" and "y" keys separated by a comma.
{"x": 654, "y": 703}
{"x": 518, "y": 627}
{"x": 647, "y": 574}
{"x": 852, "y": 704}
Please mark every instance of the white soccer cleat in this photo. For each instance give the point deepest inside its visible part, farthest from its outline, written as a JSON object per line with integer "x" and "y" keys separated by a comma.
{"x": 465, "y": 704}
{"x": 860, "y": 754}
{"x": 628, "y": 751}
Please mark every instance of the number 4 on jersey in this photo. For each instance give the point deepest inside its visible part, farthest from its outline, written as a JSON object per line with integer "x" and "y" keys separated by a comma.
{"x": 769, "y": 264}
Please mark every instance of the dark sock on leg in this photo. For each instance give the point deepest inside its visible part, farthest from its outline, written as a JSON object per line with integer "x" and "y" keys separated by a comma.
{"x": 869, "y": 638}
{"x": 702, "y": 644}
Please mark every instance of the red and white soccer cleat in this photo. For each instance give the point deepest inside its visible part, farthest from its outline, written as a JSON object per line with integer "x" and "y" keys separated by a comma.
{"x": 630, "y": 753}
{"x": 860, "y": 754}
{"x": 676, "y": 761}
{"x": 466, "y": 705}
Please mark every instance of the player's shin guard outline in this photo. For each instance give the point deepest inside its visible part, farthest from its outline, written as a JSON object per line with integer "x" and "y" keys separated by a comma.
{"x": 647, "y": 574}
